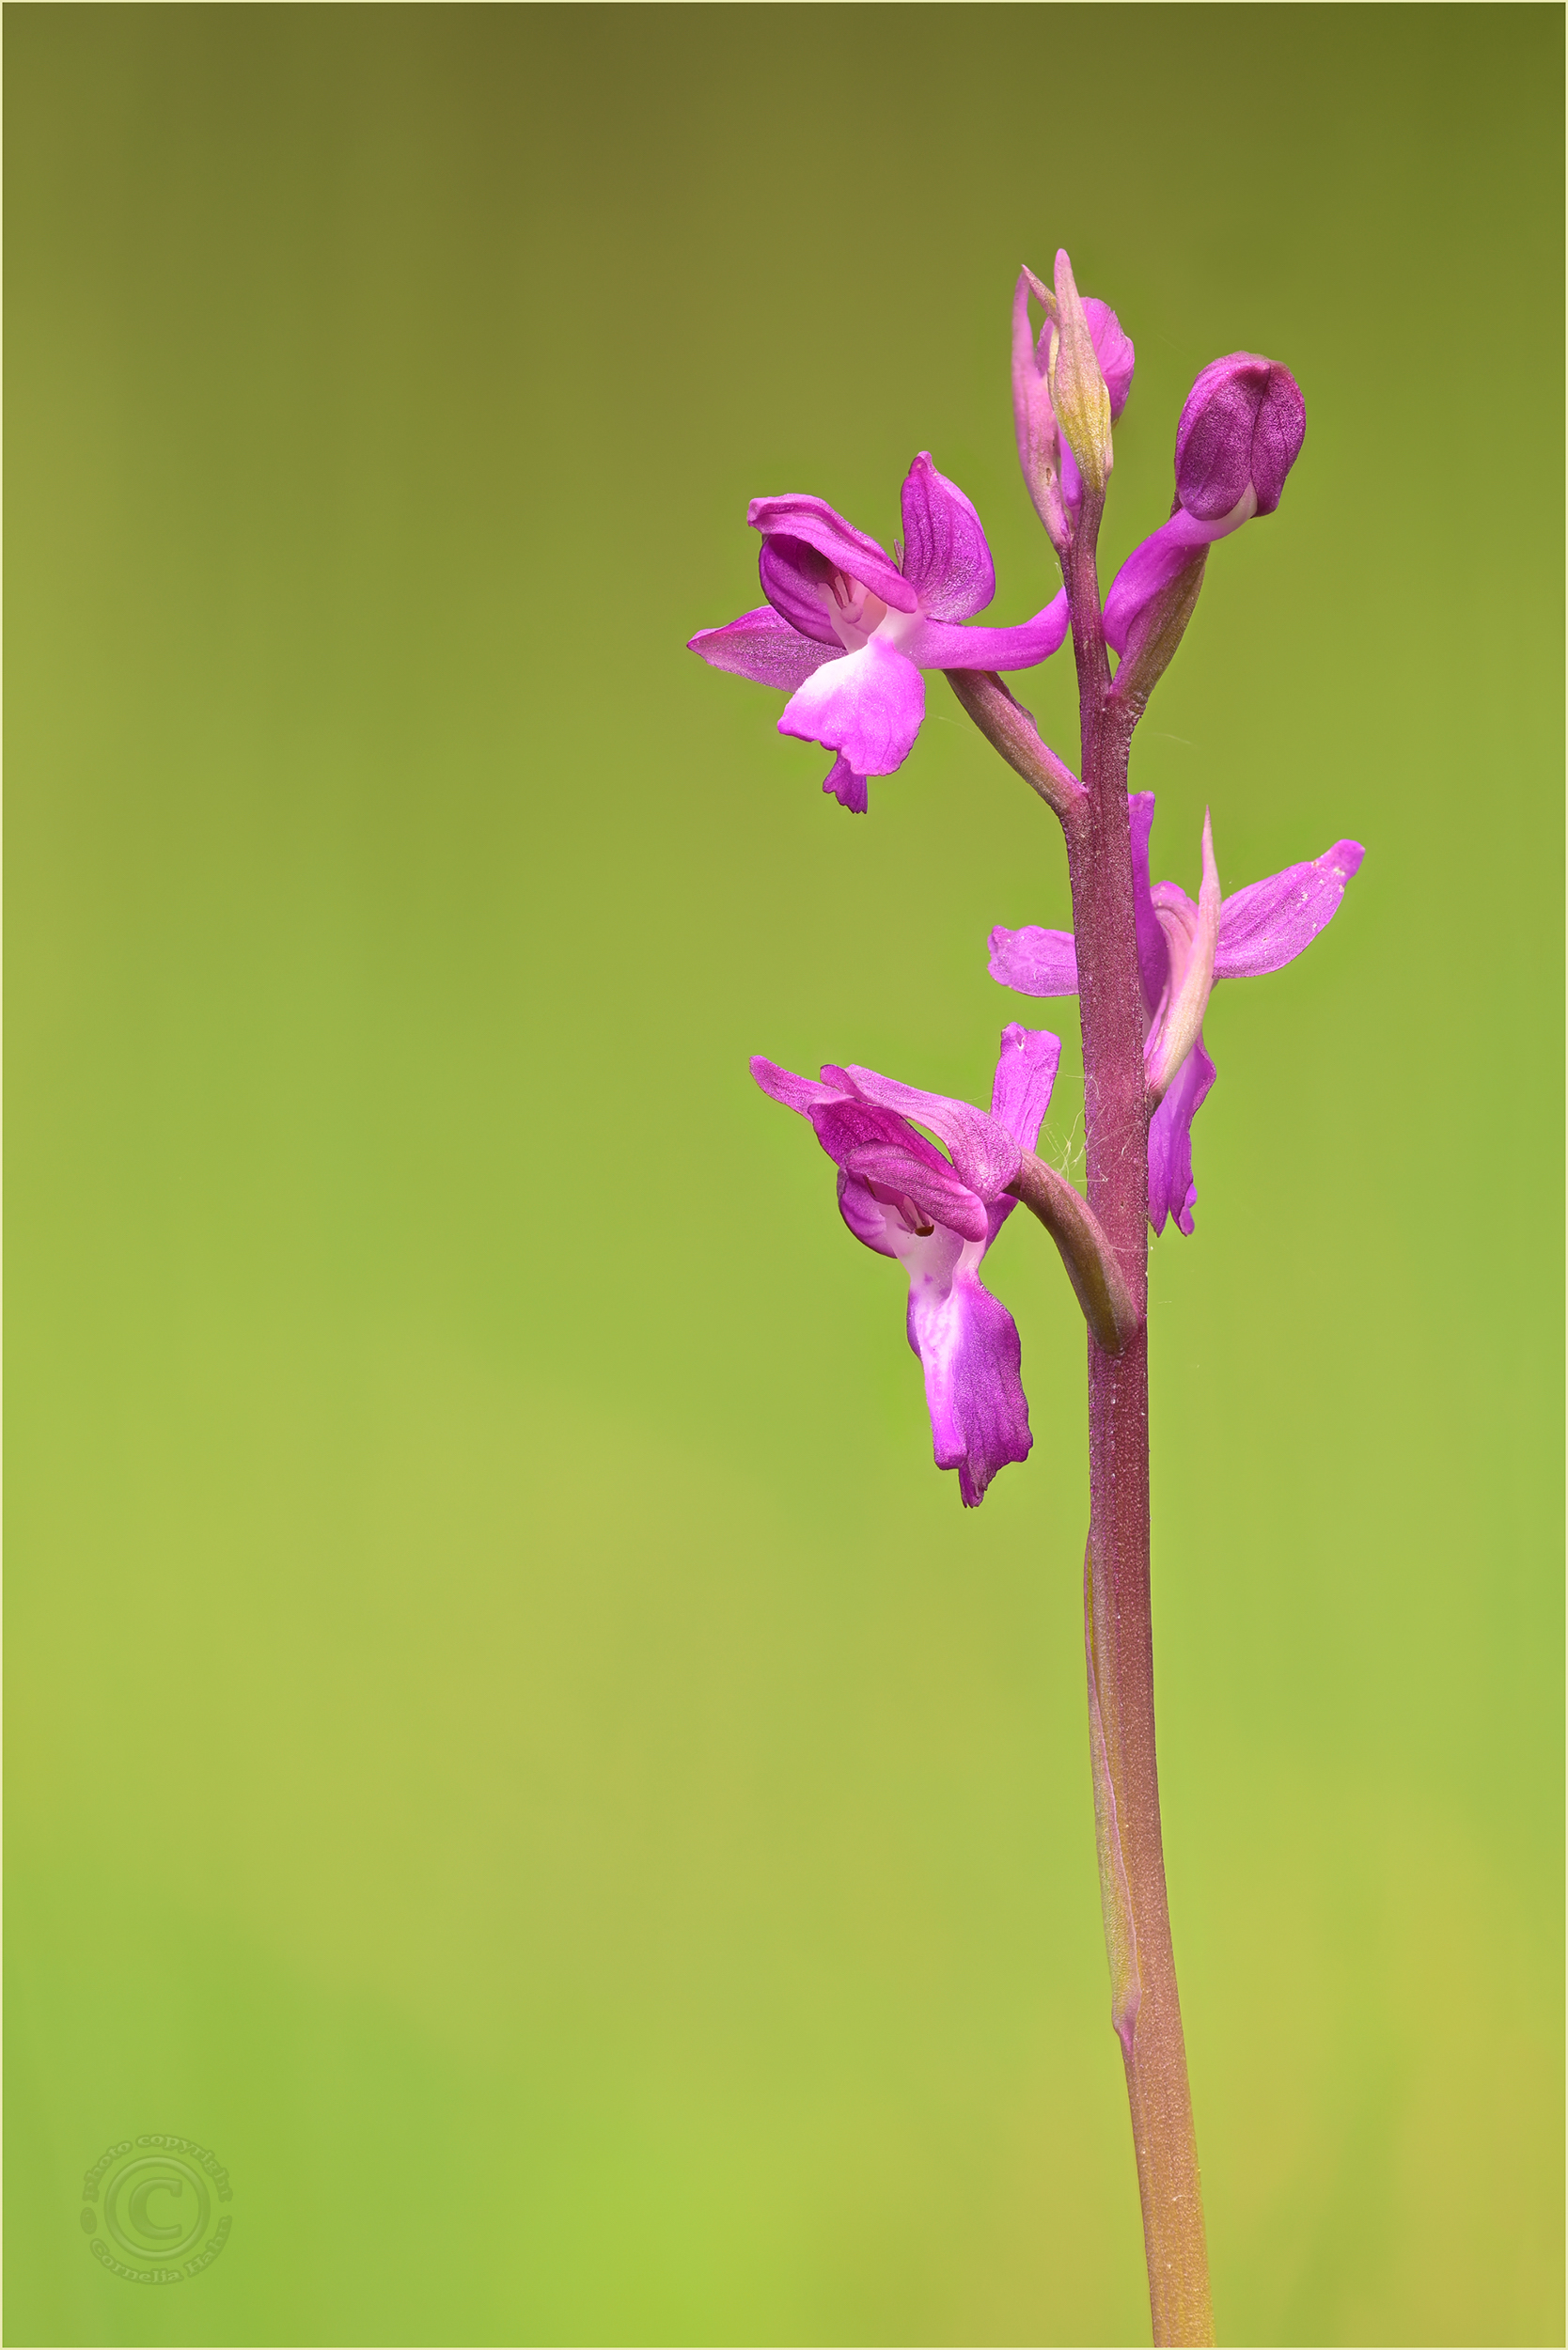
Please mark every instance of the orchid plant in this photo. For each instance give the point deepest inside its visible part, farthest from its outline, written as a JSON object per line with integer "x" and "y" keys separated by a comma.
{"x": 848, "y": 630}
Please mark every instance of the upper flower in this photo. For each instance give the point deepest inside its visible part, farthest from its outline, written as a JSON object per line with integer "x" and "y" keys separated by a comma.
{"x": 1183, "y": 948}
{"x": 938, "y": 1217}
{"x": 848, "y": 630}
{"x": 1241, "y": 431}
{"x": 1069, "y": 385}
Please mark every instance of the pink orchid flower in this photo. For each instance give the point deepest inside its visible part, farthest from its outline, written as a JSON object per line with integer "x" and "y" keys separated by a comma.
{"x": 938, "y": 1217}
{"x": 1049, "y": 467}
{"x": 1183, "y": 948}
{"x": 847, "y": 630}
{"x": 1241, "y": 431}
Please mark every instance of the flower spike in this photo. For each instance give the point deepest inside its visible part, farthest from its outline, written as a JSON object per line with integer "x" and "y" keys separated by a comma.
{"x": 847, "y": 631}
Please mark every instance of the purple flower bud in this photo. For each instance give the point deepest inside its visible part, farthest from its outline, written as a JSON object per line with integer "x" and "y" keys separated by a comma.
{"x": 1242, "y": 429}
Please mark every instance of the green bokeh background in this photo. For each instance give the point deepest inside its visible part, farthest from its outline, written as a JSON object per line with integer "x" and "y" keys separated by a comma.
{"x": 512, "y": 1740}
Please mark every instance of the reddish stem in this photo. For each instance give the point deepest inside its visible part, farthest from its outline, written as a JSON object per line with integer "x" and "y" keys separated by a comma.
{"x": 1146, "y": 2006}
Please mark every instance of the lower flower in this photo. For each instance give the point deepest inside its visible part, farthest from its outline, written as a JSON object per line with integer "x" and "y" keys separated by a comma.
{"x": 938, "y": 1217}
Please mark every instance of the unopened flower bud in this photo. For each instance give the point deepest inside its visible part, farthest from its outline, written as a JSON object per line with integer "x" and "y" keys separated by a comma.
{"x": 1241, "y": 431}
{"x": 1078, "y": 390}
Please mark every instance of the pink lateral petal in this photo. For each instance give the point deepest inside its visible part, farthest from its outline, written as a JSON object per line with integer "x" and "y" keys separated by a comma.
{"x": 1113, "y": 348}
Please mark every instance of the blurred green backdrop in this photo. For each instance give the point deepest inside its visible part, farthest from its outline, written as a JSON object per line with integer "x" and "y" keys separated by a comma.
{"x": 512, "y": 1742}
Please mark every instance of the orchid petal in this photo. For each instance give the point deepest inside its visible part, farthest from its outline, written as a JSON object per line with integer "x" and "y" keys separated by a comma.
{"x": 874, "y": 1143}
{"x": 945, "y": 558}
{"x": 1242, "y": 424}
{"x": 869, "y": 706}
{"x": 847, "y": 1122}
{"x": 940, "y": 645}
{"x": 1113, "y": 348}
{"x": 871, "y": 1220}
{"x": 1268, "y": 923}
{"x": 1171, "y": 1189}
{"x": 983, "y": 1152}
{"x": 796, "y": 581}
{"x": 813, "y": 521}
{"x": 847, "y": 788}
{"x": 763, "y": 646}
{"x": 930, "y": 1183}
{"x": 1034, "y": 962}
{"x": 1020, "y": 1089}
{"x": 1276, "y": 437}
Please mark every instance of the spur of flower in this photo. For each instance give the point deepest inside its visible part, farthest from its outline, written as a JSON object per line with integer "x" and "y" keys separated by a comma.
{"x": 847, "y": 629}
{"x": 1183, "y": 948}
